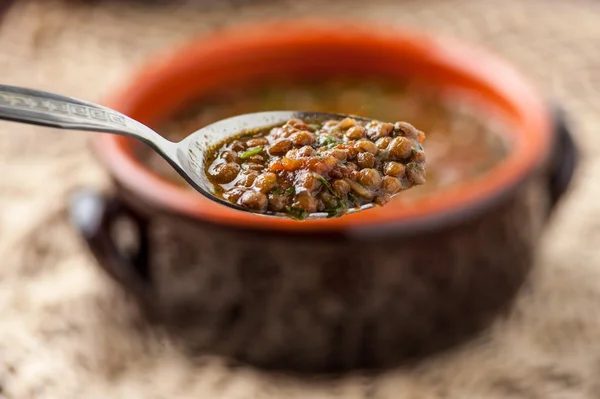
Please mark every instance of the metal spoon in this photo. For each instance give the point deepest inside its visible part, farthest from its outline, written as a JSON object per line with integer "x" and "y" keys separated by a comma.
{"x": 19, "y": 104}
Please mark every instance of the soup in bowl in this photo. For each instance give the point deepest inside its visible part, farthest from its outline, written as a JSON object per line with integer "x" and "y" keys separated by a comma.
{"x": 371, "y": 289}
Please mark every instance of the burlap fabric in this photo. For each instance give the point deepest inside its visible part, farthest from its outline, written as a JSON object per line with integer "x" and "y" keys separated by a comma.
{"x": 67, "y": 332}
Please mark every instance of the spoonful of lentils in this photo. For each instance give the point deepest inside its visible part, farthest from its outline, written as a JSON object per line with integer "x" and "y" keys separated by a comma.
{"x": 303, "y": 165}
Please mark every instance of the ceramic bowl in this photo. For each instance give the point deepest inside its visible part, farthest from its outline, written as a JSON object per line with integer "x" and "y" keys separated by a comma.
{"x": 362, "y": 291}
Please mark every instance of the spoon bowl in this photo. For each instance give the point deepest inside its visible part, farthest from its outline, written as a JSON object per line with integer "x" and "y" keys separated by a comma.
{"x": 188, "y": 157}
{"x": 192, "y": 151}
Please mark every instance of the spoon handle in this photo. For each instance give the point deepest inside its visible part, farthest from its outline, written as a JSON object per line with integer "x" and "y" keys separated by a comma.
{"x": 19, "y": 104}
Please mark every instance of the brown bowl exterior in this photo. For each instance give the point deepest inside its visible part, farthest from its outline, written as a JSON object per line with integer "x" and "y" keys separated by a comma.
{"x": 339, "y": 301}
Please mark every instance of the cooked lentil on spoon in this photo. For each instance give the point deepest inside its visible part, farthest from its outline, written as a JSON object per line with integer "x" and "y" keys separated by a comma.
{"x": 303, "y": 167}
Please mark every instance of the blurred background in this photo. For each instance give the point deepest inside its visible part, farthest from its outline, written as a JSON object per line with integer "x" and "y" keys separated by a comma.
{"x": 66, "y": 332}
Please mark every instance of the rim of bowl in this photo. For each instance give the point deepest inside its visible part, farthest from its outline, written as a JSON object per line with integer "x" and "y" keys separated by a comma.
{"x": 143, "y": 98}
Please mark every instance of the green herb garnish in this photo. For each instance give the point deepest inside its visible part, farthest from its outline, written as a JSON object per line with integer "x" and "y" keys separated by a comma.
{"x": 277, "y": 191}
{"x": 339, "y": 209}
{"x": 326, "y": 184}
{"x": 296, "y": 213}
{"x": 250, "y": 153}
{"x": 290, "y": 191}
{"x": 415, "y": 166}
{"x": 352, "y": 198}
{"x": 328, "y": 141}
{"x": 314, "y": 126}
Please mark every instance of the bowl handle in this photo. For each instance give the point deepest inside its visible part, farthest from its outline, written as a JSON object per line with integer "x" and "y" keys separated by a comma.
{"x": 564, "y": 159}
{"x": 95, "y": 217}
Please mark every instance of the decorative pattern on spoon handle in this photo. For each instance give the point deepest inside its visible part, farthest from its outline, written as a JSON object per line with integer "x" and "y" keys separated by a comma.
{"x": 37, "y": 107}
{"x": 49, "y": 109}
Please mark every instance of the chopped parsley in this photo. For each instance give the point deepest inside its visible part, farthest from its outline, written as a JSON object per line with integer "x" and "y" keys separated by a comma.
{"x": 250, "y": 153}
{"x": 352, "y": 198}
{"x": 327, "y": 141}
{"x": 296, "y": 213}
{"x": 326, "y": 184}
{"x": 340, "y": 208}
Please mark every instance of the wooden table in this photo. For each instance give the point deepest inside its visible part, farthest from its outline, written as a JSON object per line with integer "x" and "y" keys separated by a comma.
{"x": 66, "y": 332}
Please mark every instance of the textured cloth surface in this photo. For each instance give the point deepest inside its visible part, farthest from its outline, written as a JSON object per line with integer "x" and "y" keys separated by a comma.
{"x": 67, "y": 332}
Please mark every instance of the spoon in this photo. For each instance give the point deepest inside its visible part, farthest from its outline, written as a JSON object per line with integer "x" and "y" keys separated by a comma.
{"x": 187, "y": 157}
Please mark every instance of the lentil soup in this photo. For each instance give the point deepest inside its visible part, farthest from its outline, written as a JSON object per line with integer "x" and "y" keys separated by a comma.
{"x": 463, "y": 141}
{"x": 303, "y": 167}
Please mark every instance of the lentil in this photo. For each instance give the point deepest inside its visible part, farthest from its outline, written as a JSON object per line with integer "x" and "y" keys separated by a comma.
{"x": 301, "y": 168}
